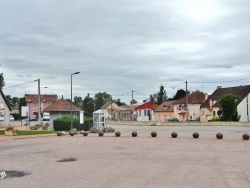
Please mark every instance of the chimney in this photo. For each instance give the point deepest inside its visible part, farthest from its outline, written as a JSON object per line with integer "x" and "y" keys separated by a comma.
{"x": 219, "y": 87}
{"x": 206, "y": 96}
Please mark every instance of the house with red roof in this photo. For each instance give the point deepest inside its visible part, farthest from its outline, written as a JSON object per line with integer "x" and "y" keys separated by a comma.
{"x": 145, "y": 112}
{"x": 60, "y": 108}
{"x": 46, "y": 100}
{"x": 195, "y": 99}
{"x": 165, "y": 111}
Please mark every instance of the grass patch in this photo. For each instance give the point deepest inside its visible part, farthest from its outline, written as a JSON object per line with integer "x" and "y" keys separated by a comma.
{"x": 31, "y": 132}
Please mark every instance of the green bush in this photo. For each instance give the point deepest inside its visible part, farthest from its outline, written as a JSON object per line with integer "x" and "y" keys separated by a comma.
{"x": 64, "y": 123}
{"x": 87, "y": 122}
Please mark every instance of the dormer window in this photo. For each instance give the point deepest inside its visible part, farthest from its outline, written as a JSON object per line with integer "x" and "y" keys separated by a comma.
{"x": 165, "y": 107}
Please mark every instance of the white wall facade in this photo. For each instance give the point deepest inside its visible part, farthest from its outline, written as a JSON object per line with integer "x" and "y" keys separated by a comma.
{"x": 143, "y": 115}
{"x": 243, "y": 109}
{"x": 4, "y": 113}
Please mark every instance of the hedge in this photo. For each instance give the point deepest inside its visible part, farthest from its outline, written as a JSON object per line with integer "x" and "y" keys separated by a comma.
{"x": 64, "y": 123}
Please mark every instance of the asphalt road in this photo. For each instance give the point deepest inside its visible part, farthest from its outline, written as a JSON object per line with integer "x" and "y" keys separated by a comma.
{"x": 128, "y": 161}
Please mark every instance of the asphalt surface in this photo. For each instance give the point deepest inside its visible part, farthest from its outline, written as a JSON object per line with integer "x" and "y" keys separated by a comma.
{"x": 128, "y": 161}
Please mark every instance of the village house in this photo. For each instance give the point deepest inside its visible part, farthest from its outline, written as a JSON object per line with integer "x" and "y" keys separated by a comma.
{"x": 145, "y": 112}
{"x": 33, "y": 104}
{"x": 110, "y": 110}
{"x": 165, "y": 111}
{"x": 210, "y": 108}
{"x": 195, "y": 99}
{"x": 5, "y": 110}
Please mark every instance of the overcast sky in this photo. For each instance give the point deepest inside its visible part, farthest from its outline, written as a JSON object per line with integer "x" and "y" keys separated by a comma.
{"x": 123, "y": 45}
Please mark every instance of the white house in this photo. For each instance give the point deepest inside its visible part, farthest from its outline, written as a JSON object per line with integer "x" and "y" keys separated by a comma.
{"x": 5, "y": 110}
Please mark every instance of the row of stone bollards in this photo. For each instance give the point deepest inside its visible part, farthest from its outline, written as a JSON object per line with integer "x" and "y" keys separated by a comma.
{"x": 153, "y": 134}
{"x": 173, "y": 134}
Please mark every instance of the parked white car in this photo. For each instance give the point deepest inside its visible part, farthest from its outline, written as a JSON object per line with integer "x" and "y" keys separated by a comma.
{"x": 12, "y": 118}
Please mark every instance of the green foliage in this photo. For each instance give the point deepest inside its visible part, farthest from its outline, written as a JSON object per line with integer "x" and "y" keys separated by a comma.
{"x": 119, "y": 103}
{"x": 77, "y": 101}
{"x": 64, "y": 123}
{"x": 22, "y": 102}
{"x": 179, "y": 94}
{"x": 31, "y": 132}
{"x": 2, "y": 83}
{"x": 153, "y": 98}
{"x": 227, "y": 105}
{"x": 101, "y": 98}
{"x": 87, "y": 122}
{"x": 134, "y": 101}
{"x": 162, "y": 95}
{"x": 88, "y": 106}
{"x": 214, "y": 119}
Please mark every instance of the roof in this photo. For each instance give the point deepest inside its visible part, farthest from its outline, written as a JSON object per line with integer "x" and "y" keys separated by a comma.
{"x": 44, "y": 98}
{"x": 107, "y": 103}
{"x": 240, "y": 92}
{"x": 61, "y": 105}
{"x": 149, "y": 105}
{"x": 5, "y": 100}
{"x": 168, "y": 104}
{"x": 196, "y": 97}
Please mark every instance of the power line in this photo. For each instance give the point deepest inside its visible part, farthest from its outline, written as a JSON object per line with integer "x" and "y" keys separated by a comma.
{"x": 19, "y": 84}
{"x": 220, "y": 81}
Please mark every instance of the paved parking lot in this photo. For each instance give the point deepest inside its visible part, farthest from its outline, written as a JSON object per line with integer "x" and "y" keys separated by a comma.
{"x": 126, "y": 161}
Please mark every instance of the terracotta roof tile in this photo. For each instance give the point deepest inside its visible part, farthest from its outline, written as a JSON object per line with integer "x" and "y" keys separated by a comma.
{"x": 61, "y": 105}
{"x": 196, "y": 97}
{"x": 44, "y": 98}
{"x": 168, "y": 104}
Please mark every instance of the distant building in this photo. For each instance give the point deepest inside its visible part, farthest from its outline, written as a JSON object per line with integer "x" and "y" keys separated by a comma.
{"x": 165, "y": 111}
{"x": 145, "y": 112}
{"x": 46, "y": 100}
{"x": 209, "y": 109}
{"x": 5, "y": 110}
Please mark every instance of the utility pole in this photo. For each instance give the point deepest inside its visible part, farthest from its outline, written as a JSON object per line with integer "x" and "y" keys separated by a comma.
{"x": 39, "y": 102}
{"x": 186, "y": 103}
{"x": 111, "y": 108}
{"x": 132, "y": 105}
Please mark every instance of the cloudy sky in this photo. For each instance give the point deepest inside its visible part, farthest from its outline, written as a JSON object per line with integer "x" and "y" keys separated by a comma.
{"x": 123, "y": 45}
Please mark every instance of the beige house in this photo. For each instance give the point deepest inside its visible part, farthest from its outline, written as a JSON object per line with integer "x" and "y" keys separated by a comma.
{"x": 110, "y": 110}
{"x": 210, "y": 108}
{"x": 195, "y": 99}
{"x": 165, "y": 111}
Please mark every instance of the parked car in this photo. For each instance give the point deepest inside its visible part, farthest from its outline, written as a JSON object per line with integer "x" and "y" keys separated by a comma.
{"x": 12, "y": 118}
{"x": 45, "y": 116}
{"x": 33, "y": 118}
{"x": 173, "y": 120}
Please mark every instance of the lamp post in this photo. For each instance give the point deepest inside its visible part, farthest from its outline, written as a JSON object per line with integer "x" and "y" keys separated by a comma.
{"x": 71, "y": 124}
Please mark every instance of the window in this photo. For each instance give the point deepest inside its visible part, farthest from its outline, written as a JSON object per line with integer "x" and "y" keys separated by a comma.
{"x": 145, "y": 112}
{"x": 34, "y": 105}
{"x": 214, "y": 113}
{"x": 139, "y": 112}
{"x": 202, "y": 113}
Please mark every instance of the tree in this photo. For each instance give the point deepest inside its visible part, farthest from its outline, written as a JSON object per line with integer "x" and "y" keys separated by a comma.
{"x": 12, "y": 101}
{"x": 119, "y": 103}
{"x": 101, "y": 98}
{"x": 22, "y": 102}
{"x": 153, "y": 98}
{"x": 77, "y": 101}
{"x": 88, "y": 105}
{"x": 2, "y": 83}
{"x": 179, "y": 94}
{"x": 162, "y": 95}
{"x": 134, "y": 101}
{"x": 228, "y": 107}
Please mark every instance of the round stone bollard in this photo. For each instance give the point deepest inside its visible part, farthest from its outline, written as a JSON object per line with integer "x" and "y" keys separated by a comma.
{"x": 219, "y": 135}
{"x": 134, "y": 134}
{"x": 117, "y": 134}
{"x": 72, "y": 133}
{"x": 85, "y": 133}
{"x": 245, "y": 136}
{"x": 174, "y": 135}
{"x": 153, "y": 134}
{"x": 196, "y": 135}
{"x": 100, "y": 133}
{"x": 59, "y": 133}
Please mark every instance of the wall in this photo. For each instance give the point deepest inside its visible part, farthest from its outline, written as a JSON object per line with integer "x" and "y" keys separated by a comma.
{"x": 5, "y": 119}
{"x": 163, "y": 116}
{"x": 242, "y": 109}
{"x": 149, "y": 123}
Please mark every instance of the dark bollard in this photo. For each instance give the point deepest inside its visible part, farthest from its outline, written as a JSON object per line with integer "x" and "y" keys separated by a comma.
{"x": 72, "y": 133}
{"x": 59, "y": 133}
{"x": 245, "y": 136}
{"x": 134, "y": 134}
{"x": 219, "y": 135}
{"x": 174, "y": 135}
{"x": 154, "y": 134}
{"x": 100, "y": 133}
{"x": 117, "y": 134}
{"x": 196, "y": 135}
{"x": 85, "y": 133}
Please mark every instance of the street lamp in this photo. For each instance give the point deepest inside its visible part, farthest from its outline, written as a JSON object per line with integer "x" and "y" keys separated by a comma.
{"x": 71, "y": 125}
